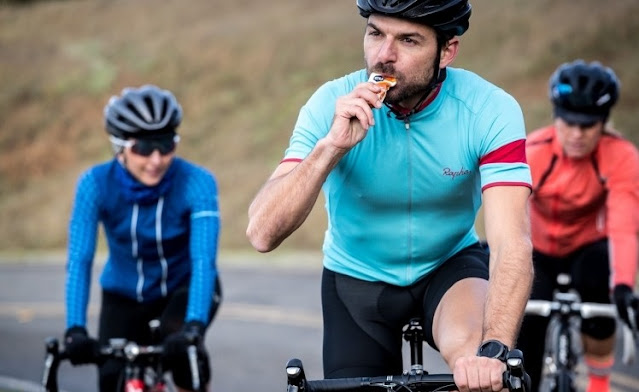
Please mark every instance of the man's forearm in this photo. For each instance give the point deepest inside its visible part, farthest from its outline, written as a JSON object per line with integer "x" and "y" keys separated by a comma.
{"x": 285, "y": 201}
{"x": 509, "y": 290}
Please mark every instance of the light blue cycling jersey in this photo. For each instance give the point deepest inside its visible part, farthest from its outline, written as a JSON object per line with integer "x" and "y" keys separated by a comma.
{"x": 405, "y": 198}
{"x": 154, "y": 247}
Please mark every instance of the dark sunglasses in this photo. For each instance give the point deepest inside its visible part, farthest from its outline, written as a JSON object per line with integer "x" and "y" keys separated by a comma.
{"x": 581, "y": 125}
{"x": 145, "y": 147}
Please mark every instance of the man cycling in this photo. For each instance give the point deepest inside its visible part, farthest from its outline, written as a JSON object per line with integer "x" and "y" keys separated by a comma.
{"x": 161, "y": 220}
{"x": 584, "y": 211}
{"x": 403, "y": 183}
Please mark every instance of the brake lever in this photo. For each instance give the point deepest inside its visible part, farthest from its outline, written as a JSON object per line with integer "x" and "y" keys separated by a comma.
{"x": 516, "y": 379}
{"x": 194, "y": 339}
{"x": 296, "y": 379}
{"x": 51, "y": 364}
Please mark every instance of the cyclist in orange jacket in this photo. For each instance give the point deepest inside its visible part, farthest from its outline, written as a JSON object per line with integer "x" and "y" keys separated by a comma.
{"x": 584, "y": 212}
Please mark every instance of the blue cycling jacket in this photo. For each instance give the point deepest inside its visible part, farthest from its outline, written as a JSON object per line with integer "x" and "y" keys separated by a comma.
{"x": 154, "y": 247}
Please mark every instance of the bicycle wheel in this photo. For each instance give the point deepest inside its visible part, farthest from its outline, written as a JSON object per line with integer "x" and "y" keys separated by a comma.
{"x": 565, "y": 382}
{"x": 548, "y": 383}
{"x": 560, "y": 382}
{"x": 169, "y": 385}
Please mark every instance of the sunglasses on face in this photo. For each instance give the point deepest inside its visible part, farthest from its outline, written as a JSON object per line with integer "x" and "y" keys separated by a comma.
{"x": 582, "y": 126}
{"x": 145, "y": 147}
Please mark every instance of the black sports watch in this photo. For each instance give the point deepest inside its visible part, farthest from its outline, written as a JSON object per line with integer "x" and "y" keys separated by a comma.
{"x": 493, "y": 349}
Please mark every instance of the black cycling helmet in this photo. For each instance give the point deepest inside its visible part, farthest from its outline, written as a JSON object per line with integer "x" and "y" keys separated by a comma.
{"x": 142, "y": 112}
{"x": 583, "y": 93}
{"x": 445, "y": 16}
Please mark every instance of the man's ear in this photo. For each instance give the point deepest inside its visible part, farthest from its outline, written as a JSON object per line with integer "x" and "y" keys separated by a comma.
{"x": 449, "y": 52}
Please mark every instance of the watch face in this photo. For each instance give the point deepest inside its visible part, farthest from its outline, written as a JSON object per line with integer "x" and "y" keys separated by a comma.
{"x": 493, "y": 349}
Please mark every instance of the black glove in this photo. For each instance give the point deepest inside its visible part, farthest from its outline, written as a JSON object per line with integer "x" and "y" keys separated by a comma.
{"x": 176, "y": 357}
{"x": 624, "y": 299}
{"x": 79, "y": 347}
{"x": 177, "y": 343}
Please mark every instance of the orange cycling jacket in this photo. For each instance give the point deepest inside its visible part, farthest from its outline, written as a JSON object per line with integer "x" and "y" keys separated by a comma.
{"x": 579, "y": 201}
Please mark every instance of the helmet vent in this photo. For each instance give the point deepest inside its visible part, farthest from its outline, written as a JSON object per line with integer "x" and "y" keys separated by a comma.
{"x": 126, "y": 121}
{"x": 149, "y": 105}
{"x": 135, "y": 110}
{"x": 165, "y": 106}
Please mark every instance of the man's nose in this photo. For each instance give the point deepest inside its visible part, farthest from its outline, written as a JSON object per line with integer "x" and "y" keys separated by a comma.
{"x": 387, "y": 52}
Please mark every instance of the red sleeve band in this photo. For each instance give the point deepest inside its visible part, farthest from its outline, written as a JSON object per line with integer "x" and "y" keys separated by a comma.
{"x": 513, "y": 152}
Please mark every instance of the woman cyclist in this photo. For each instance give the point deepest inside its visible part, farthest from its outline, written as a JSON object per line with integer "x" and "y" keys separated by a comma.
{"x": 584, "y": 211}
{"x": 161, "y": 220}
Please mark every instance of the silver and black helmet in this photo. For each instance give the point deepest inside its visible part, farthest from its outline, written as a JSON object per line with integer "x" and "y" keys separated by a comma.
{"x": 445, "y": 16}
{"x": 143, "y": 112}
{"x": 583, "y": 92}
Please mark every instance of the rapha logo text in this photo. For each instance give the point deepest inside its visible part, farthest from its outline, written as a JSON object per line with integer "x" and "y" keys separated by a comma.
{"x": 455, "y": 173}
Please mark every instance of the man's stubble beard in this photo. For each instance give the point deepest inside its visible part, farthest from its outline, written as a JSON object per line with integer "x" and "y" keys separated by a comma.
{"x": 405, "y": 89}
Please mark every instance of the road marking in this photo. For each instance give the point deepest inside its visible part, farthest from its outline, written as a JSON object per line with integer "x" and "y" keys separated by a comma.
{"x": 25, "y": 312}
{"x": 14, "y": 384}
{"x": 270, "y": 315}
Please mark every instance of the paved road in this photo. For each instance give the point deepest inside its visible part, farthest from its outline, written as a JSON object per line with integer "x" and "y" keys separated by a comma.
{"x": 270, "y": 314}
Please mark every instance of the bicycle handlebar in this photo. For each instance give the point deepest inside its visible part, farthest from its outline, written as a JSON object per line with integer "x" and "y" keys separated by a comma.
{"x": 117, "y": 348}
{"x": 570, "y": 306}
{"x": 433, "y": 381}
{"x": 583, "y": 309}
{"x": 51, "y": 364}
{"x": 515, "y": 380}
{"x": 121, "y": 348}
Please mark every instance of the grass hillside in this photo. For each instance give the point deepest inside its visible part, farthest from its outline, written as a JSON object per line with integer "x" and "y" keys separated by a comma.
{"x": 241, "y": 70}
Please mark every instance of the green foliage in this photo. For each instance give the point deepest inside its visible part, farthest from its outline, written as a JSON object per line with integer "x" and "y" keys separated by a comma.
{"x": 93, "y": 75}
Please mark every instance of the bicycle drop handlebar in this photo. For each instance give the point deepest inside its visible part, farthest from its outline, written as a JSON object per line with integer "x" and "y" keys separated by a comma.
{"x": 51, "y": 364}
{"x": 568, "y": 304}
{"x": 515, "y": 380}
{"x": 117, "y": 348}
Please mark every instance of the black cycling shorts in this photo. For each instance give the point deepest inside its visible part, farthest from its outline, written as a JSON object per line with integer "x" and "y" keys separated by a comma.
{"x": 363, "y": 320}
{"x": 122, "y": 317}
{"x": 590, "y": 272}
